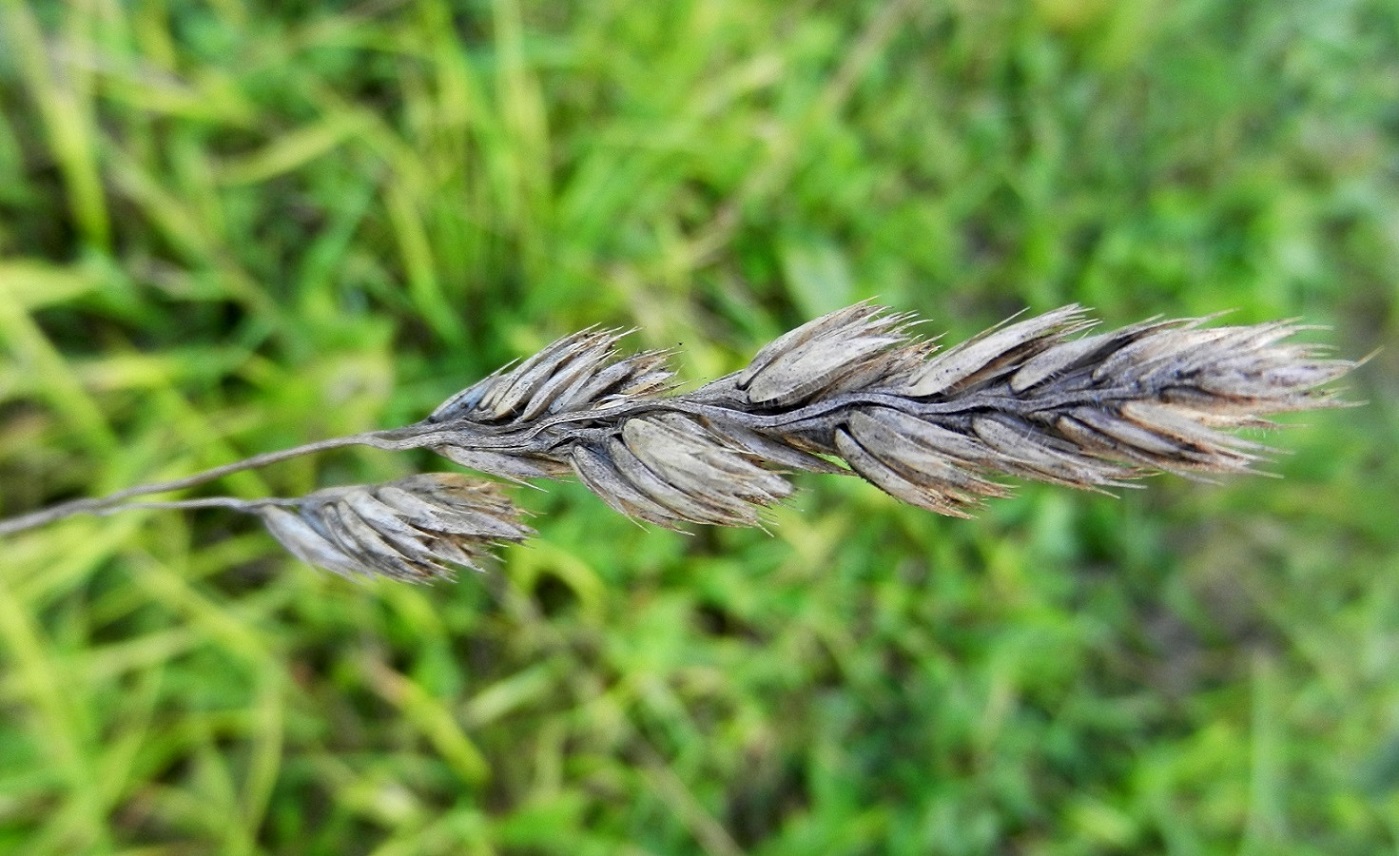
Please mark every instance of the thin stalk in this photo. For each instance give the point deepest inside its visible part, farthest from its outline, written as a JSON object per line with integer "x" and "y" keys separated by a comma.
{"x": 98, "y": 505}
{"x": 248, "y": 506}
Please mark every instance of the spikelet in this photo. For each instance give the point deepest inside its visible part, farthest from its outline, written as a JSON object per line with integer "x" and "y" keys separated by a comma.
{"x": 859, "y": 347}
{"x": 580, "y": 372}
{"x": 917, "y": 462}
{"x": 410, "y": 529}
{"x": 997, "y": 351}
{"x": 668, "y": 469}
{"x": 577, "y": 372}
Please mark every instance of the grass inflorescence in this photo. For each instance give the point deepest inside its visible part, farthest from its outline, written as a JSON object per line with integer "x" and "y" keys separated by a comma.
{"x": 932, "y": 429}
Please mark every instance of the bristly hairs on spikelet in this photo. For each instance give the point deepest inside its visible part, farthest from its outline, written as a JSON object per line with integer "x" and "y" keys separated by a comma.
{"x": 852, "y": 392}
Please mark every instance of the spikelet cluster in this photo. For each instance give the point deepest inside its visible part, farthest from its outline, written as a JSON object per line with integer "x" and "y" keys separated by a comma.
{"x": 853, "y": 391}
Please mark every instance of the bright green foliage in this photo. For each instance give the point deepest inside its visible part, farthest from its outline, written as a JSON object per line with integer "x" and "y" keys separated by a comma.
{"x": 233, "y": 226}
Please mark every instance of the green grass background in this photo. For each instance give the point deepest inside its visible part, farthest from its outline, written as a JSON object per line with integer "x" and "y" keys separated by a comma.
{"x": 231, "y": 226}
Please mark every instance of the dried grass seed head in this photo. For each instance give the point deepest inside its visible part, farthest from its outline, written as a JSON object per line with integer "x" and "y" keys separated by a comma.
{"x": 853, "y": 388}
